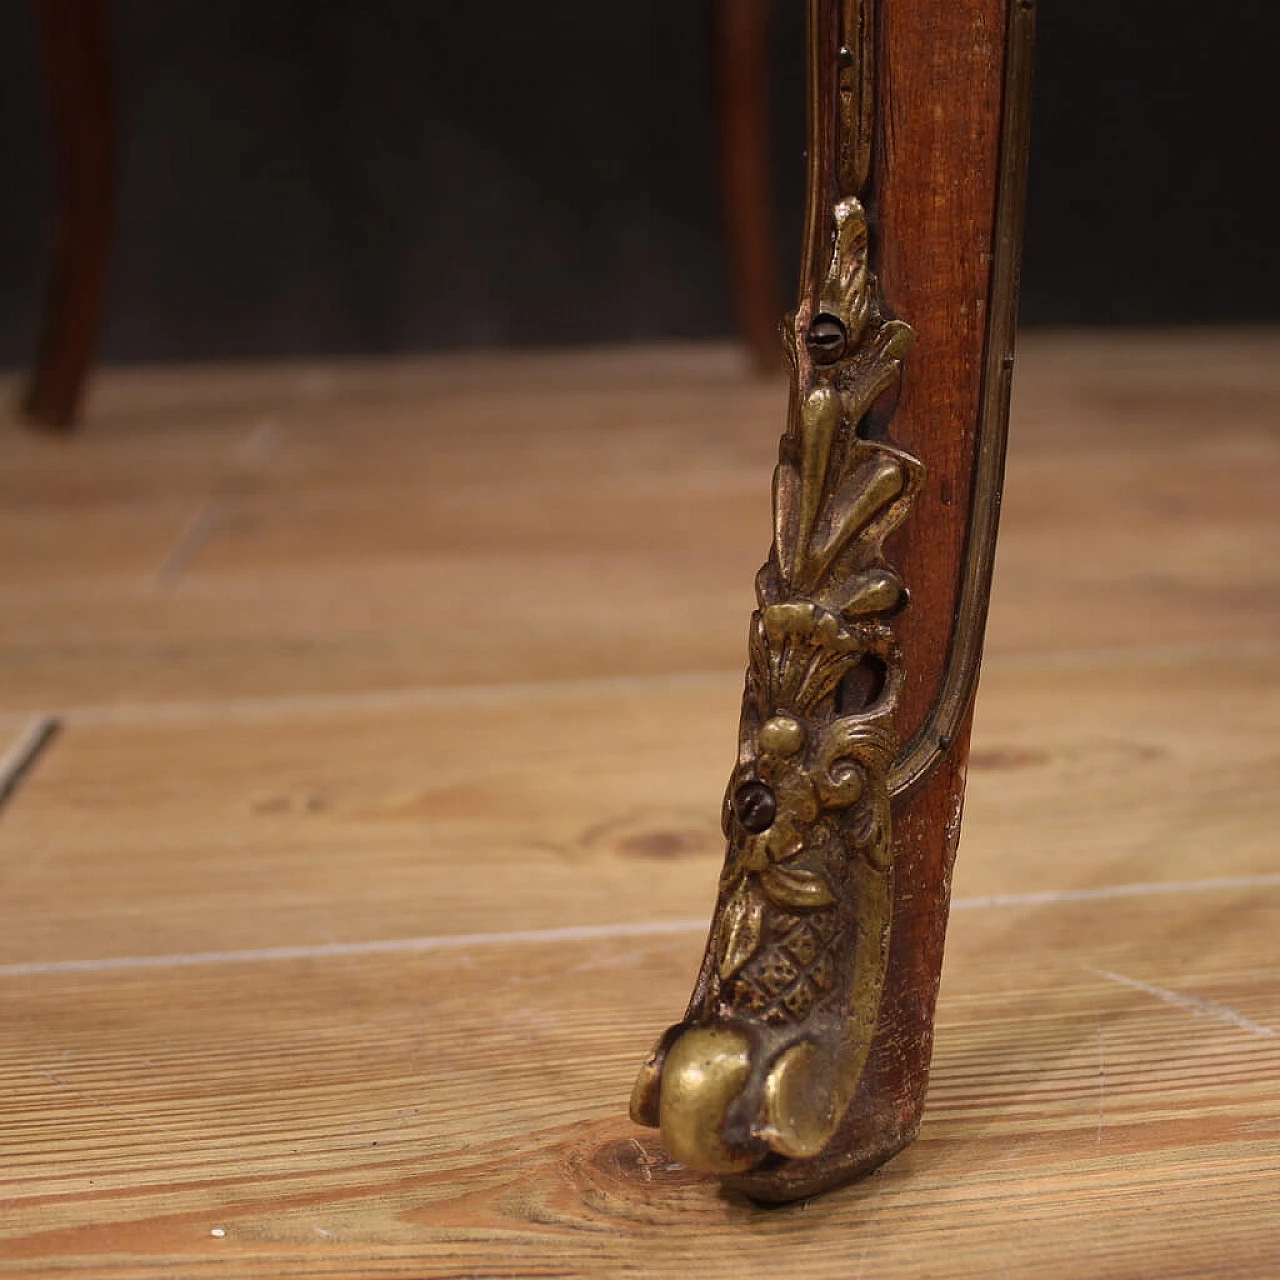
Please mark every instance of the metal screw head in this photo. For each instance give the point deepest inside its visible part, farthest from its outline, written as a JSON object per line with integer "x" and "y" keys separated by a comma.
{"x": 826, "y": 339}
{"x": 755, "y": 807}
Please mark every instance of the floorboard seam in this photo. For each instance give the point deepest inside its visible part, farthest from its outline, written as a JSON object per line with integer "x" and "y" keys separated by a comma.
{"x": 579, "y": 933}
{"x": 131, "y": 713}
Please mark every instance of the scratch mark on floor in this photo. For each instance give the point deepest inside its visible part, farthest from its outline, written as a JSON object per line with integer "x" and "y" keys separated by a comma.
{"x": 189, "y": 542}
{"x": 1193, "y": 1005}
{"x": 261, "y": 443}
{"x": 55, "y": 1079}
{"x": 21, "y": 758}
{"x": 873, "y": 1209}
{"x": 643, "y": 1159}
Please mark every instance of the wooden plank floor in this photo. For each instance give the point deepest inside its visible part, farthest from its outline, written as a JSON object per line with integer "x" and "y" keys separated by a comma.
{"x": 380, "y": 835}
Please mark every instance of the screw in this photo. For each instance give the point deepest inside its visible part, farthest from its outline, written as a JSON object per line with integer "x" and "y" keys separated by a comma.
{"x": 826, "y": 339}
{"x": 755, "y": 807}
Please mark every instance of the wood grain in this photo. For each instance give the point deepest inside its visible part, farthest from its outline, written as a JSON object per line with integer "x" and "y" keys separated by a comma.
{"x": 547, "y": 792}
{"x": 338, "y": 916}
{"x": 435, "y": 1116}
{"x": 323, "y": 565}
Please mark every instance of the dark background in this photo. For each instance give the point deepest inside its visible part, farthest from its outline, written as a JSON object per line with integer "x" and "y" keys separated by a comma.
{"x": 407, "y": 174}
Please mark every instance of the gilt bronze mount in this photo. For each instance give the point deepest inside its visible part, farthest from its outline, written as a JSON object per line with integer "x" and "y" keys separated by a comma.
{"x": 802, "y": 1059}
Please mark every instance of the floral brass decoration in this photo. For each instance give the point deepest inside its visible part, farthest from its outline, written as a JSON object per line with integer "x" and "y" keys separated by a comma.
{"x": 769, "y": 1055}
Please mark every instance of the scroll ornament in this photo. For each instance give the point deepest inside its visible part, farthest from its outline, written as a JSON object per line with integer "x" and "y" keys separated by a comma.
{"x": 768, "y": 1057}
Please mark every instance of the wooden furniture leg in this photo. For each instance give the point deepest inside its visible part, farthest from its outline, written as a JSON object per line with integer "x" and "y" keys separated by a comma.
{"x": 803, "y": 1057}
{"x": 77, "y": 65}
{"x": 740, "y": 39}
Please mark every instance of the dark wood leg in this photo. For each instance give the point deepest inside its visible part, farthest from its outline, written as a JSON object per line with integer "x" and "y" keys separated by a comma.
{"x": 803, "y": 1057}
{"x": 740, "y": 43}
{"x": 77, "y": 66}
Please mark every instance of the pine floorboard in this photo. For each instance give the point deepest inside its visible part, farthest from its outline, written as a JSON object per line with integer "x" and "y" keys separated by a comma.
{"x": 380, "y": 832}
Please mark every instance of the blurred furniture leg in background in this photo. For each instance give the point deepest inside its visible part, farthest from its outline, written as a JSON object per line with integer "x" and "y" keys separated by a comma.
{"x": 77, "y": 68}
{"x": 76, "y": 43}
{"x": 740, "y": 40}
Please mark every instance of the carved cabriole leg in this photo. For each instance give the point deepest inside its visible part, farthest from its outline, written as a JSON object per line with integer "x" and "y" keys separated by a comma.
{"x": 802, "y": 1059}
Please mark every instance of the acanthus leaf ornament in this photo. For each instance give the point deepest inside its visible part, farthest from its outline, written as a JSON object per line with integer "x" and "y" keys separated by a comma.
{"x": 800, "y": 938}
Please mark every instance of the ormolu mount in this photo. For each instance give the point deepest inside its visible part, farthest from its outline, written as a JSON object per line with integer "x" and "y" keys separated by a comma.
{"x": 803, "y": 1056}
